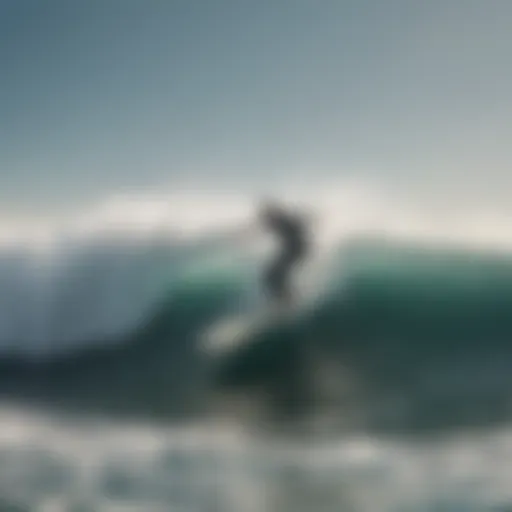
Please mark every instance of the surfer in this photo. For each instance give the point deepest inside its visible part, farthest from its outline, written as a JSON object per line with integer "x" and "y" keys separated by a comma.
{"x": 290, "y": 229}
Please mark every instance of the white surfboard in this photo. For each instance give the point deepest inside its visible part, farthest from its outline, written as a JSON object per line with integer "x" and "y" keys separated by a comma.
{"x": 230, "y": 333}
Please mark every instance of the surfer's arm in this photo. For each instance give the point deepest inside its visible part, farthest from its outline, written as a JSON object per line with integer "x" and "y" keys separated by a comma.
{"x": 245, "y": 232}
{"x": 217, "y": 240}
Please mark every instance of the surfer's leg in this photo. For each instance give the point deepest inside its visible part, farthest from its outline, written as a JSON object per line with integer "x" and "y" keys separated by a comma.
{"x": 290, "y": 260}
{"x": 271, "y": 282}
{"x": 277, "y": 280}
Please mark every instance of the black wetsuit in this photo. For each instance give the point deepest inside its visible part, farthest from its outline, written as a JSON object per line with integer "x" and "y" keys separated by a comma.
{"x": 294, "y": 247}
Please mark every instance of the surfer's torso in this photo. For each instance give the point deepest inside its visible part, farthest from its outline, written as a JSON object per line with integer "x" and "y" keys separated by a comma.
{"x": 290, "y": 230}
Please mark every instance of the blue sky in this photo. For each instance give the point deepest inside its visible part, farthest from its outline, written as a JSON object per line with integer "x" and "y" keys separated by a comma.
{"x": 103, "y": 96}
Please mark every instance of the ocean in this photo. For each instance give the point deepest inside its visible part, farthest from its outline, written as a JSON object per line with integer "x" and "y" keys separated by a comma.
{"x": 388, "y": 390}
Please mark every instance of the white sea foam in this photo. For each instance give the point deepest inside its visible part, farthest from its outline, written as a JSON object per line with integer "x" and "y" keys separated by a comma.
{"x": 56, "y": 464}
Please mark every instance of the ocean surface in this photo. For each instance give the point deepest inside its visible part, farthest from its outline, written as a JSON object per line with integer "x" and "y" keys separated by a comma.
{"x": 389, "y": 389}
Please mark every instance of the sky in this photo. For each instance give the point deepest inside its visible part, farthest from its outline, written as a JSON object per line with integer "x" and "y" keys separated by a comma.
{"x": 126, "y": 96}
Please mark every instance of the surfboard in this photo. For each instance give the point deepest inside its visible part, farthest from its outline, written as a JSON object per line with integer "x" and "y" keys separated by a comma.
{"x": 226, "y": 335}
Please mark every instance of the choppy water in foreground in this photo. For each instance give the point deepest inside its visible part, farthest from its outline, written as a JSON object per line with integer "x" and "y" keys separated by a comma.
{"x": 52, "y": 465}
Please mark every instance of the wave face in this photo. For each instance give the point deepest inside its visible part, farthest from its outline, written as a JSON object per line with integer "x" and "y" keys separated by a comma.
{"x": 429, "y": 325}
{"x": 108, "y": 315}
